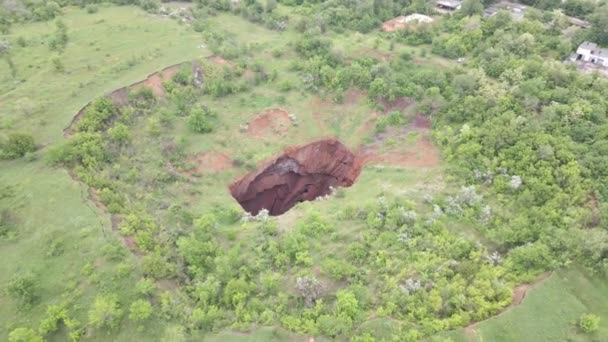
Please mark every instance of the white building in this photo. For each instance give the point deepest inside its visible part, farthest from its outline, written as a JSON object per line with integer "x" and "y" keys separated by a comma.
{"x": 447, "y": 6}
{"x": 591, "y": 53}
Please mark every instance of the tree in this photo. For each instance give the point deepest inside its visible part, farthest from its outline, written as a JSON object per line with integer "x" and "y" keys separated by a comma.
{"x": 60, "y": 39}
{"x": 120, "y": 133}
{"x": 599, "y": 26}
{"x": 347, "y": 304}
{"x": 145, "y": 286}
{"x": 589, "y": 323}
{"x": 309, "y": 288}
{"x": 471, "y": 7}
{"x": 199, "y": 120}
{"x": 24, "y": 335}
{"x": 22, "y": 287}
{"x": 106, "y": 312}
{"x": 140, "y": 310}
{"x": 17, "y": 145}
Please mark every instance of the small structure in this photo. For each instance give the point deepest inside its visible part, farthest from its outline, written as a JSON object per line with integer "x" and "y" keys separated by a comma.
{"x": 516, "y": 10}
{"x": 590, "y": 53}
{"x": 448, "y": 6}
{"x": 399, "y": 23}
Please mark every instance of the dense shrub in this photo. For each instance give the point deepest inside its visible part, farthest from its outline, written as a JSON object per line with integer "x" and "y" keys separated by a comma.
{"x": 17, "y": 145}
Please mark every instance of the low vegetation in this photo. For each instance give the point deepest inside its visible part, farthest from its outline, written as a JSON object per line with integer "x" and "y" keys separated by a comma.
{"x": 137, "y": 219}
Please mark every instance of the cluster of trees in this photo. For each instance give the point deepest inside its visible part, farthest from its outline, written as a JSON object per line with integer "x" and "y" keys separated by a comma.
{"x": 262, "y": 12}
{"x": 529, "y": 124}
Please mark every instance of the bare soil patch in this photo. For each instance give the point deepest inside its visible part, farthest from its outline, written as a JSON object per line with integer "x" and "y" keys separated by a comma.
{"x": 209, "y": 162}
{"x": 398, "y": 104}
{"x": 393, "y": 25}
{"x": 155, "y": 81}
{"x": 423, "y": 154}
{"x": 270, "y": 122}
{"x": 219, "y": 60}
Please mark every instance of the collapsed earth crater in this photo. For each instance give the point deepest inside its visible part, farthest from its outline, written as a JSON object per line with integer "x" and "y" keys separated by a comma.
{"x": 299, "y": 174}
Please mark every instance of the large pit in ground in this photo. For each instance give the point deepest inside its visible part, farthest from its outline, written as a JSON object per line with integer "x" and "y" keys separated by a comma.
{"x": 299, "y": 174}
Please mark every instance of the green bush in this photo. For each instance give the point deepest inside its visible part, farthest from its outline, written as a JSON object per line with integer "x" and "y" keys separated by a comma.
{"x": 24, "y": 335}
{"x": 17, "y": 145}
{"x": 96, "y": 115}
{"x": 92, "y": 9}
{"x": 140, "y": 310}
{"x": 22, "y": 288}
{"x": 199, "y": 120}
{"x": 589, "y": 323}
{"x": 106, "y": 312}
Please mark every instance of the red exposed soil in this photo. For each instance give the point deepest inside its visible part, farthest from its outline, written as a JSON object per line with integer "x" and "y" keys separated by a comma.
{"x": 269, "y": 122}
{"x": 155, "y": 81}
{"x": 420, "y": 123}
{"x": 219, "y": 60}
{"x": 394, "y": 24}
{"x": 209, "y": 162}
{"x": 299, "y": 174}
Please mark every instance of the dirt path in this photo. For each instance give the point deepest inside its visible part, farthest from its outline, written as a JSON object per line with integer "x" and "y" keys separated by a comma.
{"x": 519, "y": 294}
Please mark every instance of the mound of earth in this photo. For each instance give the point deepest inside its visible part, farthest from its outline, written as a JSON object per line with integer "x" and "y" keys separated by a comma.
{"x": 299, "y": 174}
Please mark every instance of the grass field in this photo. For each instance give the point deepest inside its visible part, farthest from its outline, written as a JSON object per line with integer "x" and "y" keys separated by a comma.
{"x": 106, "y": 50}
{"x": 549, "y": 312}
{"x": 66, "y": 241}
{"x": 60, "y": 231}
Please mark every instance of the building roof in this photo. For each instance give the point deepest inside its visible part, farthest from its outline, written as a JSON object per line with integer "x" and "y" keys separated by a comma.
{"x": 595, "y": 50}
{"x": 449, "y": 3}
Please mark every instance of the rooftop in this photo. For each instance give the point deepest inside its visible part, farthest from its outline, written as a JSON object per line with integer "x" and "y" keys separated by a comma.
{"x": 595, "y": 50}
{"x": 449, "y": 3}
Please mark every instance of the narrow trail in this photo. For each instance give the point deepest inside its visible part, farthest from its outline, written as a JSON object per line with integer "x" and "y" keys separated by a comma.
{"x": 519, "y": 294}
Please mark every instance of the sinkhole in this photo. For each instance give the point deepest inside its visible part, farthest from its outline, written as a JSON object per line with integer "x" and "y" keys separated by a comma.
{"x": 299, "y": 174}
